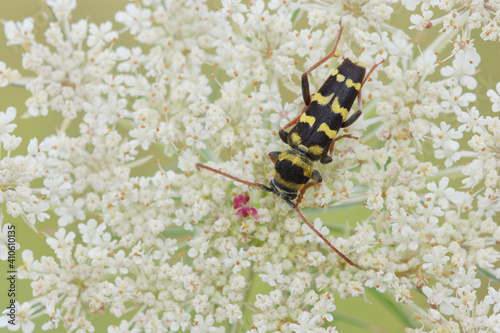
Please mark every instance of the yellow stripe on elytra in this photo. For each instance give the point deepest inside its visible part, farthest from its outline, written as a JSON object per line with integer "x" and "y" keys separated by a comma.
{"x": 336, "y": 108}
{"x": 350, "y": 83}
{"x": 329, "y": 132}
{"x": 316, "y": 150}
{"x": 307, "y": 119}
{"x": 295, "y": 140}
{"x": 340, "y": 78}
{"x": 322, "y": 100}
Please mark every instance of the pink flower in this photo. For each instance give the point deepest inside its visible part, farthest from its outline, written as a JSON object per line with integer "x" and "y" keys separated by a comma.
{"x": 245, "y": 208}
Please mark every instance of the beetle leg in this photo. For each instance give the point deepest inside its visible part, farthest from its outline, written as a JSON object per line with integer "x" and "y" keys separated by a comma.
{"x": 355, "y": 116}
{"x": 306, "y": 95}
{"x": 274, "y": 156}
{"x": 328, "y": 158}
{"x": 316, "y": 177}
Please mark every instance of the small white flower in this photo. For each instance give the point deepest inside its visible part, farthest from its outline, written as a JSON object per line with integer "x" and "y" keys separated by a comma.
{"x": 82, "y": 325}
{"x": 306, "y": 323}
{"x": 178, "y": 318}
{"x": 475, "y": 172}
{"x": 375, "y": 200}
{"x": 37, "y": 104}
{"x": 273, "y": 274}
{"x": 493, "y": 298}
{"x": 490, "y": 31}
{"x": 284, "y": 65}
{"x": 7, "y": 75}
{"x": 263, "y": 302}
{"x": 134, "y": 18}
{"x": 200, "y": 302}
{"x": 19, "y": 33}
{"x": 5, "y": 118}
{"x": 463, "y": 48}
{"x": 101, "y": 35}
{"x": 441, "y": 194}
{"x": 411, "y": 4}
{"x": 202, "y": 325}
{"x": 234, "y": 8}
{"x": 462, "y": 72}
{"x": 22, "y": 320}
{"x": 36, "y": 209}
{"x": 237, "y": 260}
{"x": 439, "y": 295}
{"x": 63, "y": 243}
{"x": 463, "y": 278}
{"x": 495, "y": 97}
{"x": 379, "y": 280}
{"x": 445, "y": 136}
{"x": 310, "y": 235}
{"x": 69, "y": 211}
{"x": 233, "y": 313}
{"x": 199, "y": 246}
{"x": 454, "y": 100}
{"x": 322, "y": 309}
{"x": 62, "y": 8}
{"x": 472, "y": 120}
{"x": 421, "y": 22}
{"x": 90, "y": 232}
{"x": 10, "y": 142}
{"x": 436, "y": 259}
{"x": 426, "y": 63}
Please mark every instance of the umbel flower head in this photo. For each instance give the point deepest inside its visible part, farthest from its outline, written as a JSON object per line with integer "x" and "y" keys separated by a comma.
{"x": 141, "y": 241}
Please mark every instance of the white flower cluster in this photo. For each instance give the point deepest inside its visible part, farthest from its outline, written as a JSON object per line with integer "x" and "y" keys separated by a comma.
{"x": 180, "y": 82}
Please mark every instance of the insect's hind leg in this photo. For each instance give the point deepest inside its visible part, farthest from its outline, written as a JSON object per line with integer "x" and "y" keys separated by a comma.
{"x": 306, "y": 94}
{"x": 355, "y": 116}
{"x": 328, "y": 158}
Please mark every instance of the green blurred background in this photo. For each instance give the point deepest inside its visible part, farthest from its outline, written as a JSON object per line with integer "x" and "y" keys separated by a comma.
{"x": 351, "y": 314}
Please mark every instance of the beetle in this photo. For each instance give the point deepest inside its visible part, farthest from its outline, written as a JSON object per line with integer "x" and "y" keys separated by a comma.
{"x": 314, "y": 135}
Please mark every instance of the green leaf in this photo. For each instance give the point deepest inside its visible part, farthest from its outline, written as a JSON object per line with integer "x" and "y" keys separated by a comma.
{"x": 294, "y": 15}
{"x": 488, "y": 274}
{"x": 396, "y": 308}
{"x": 357, "y": 322}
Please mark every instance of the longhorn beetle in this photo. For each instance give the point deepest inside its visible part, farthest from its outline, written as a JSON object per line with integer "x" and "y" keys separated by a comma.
{"x": 314, "y": 134}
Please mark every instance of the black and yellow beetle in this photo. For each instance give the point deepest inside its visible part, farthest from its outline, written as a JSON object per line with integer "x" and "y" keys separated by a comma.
{"x": 314, "y": 135}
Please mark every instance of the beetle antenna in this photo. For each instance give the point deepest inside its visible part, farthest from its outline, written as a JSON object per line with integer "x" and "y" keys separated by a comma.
{"x": 302, "y": 217}
{"x": 294, "y": 206}
{"x": 260, "y": 186}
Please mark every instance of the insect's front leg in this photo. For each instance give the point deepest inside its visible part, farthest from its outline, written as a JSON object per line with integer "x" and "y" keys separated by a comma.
{"x": 274, "y": 156}
{"x": 316, "y": 177}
